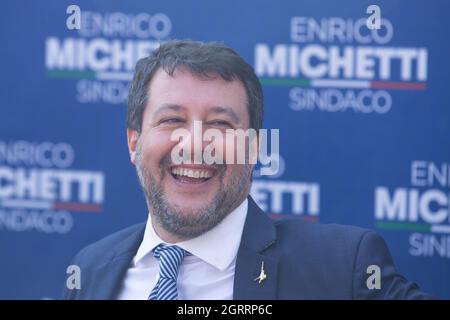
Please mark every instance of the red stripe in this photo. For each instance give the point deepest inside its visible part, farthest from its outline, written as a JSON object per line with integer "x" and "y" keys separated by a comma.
{"x": 311, "y": 218}
{"x": 398, "y": 85}
{"x": 77, "y": 206}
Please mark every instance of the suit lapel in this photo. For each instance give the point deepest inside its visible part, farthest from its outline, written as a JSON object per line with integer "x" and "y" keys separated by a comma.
{"x": 252, "y": 263}
{"x": 107, "y": 276}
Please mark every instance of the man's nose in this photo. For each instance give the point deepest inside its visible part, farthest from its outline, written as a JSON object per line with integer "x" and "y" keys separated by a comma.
{"x": 194, "y": 141}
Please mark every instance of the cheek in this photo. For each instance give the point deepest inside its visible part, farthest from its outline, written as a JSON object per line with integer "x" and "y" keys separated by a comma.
{"x": 155, "y": 147}
{"x": 239, "y": 150}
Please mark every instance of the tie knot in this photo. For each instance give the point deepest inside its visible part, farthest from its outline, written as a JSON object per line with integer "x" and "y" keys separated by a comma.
{"x": 169, "y": 258}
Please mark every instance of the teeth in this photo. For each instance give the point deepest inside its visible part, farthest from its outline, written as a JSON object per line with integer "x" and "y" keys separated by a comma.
{"x": 197, "y": 174}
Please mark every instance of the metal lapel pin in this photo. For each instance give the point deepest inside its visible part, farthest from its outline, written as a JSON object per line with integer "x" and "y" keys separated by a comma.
{"x": 262, "y": 276}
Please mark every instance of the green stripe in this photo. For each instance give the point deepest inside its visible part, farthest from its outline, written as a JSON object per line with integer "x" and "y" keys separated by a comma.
{"x": 403, "y": 226}
{"x": 285, "y": 82}
{"x": 71, "y": 74}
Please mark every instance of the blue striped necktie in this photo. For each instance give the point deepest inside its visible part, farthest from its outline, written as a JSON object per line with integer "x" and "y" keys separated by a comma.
{"x": 170, "y": 258}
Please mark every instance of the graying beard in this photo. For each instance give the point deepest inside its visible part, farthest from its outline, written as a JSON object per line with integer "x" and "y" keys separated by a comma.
{"x": 190, "y": 224}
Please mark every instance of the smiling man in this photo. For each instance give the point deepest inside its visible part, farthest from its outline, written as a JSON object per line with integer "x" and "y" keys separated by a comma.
{"x": 187, "y": 200}
{"x": 205, "y": 238}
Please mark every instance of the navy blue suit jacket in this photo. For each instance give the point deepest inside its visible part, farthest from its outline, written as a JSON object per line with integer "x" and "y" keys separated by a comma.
{"x": 302, "y": 260}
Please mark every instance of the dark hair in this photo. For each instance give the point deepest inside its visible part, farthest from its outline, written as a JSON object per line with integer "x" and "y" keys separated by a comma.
{"x": 206, "y": 60}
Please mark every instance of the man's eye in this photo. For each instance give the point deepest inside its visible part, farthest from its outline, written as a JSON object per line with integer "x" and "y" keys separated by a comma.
{"x": 171, "y": 120}
{"x": 220, "y": 123}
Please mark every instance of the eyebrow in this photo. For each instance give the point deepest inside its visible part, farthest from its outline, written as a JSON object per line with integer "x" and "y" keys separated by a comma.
{"x": 168, "y": 107}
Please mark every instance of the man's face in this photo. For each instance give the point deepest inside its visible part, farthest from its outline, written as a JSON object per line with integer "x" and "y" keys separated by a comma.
{"x": 189, "y": 199}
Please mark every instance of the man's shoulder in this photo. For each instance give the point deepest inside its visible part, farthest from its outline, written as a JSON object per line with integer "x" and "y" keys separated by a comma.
{"x": 105, "y": 248}
{"x": 331, "y": 261}
{"x": 297, "y": 231}
{"x": 293, "y": 226}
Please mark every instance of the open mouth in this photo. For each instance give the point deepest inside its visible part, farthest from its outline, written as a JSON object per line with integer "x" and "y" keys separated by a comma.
{"x": 192, "y": 174}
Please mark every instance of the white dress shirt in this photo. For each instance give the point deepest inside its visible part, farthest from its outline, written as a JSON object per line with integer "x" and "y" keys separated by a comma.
{"x": 207, "y": 274}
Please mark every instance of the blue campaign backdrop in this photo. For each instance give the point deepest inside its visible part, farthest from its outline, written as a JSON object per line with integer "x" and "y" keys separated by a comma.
{"x": 363, "y": 114}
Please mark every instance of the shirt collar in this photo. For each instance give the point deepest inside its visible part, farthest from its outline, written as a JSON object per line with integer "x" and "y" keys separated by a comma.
{"x": 226, "y": 236}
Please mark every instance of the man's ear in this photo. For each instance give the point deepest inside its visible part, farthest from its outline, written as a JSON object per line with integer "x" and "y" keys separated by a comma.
{"x": 132, "y": 137}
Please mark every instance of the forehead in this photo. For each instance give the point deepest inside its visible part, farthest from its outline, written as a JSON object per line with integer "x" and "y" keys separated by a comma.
{"x": 195, "y": 93}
